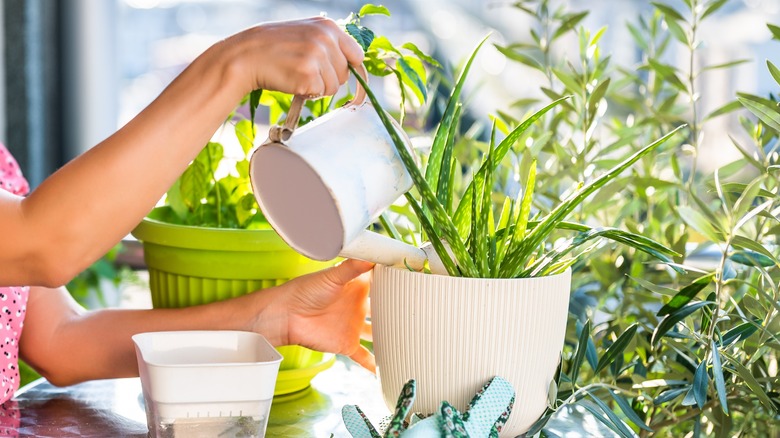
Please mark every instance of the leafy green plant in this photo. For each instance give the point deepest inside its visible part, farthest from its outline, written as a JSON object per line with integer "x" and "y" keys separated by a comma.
{"x": 661, "y": 351}
{"x": 515, "y": 245}
{"x": 105, "y": 272}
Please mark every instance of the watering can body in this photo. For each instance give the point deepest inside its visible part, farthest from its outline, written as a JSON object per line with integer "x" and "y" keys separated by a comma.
{"x": 320, "y": 186}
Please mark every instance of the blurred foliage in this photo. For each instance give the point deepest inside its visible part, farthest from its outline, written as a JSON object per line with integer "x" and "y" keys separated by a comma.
{"x": 660, "y": 352}
{"x": 687, "y": 348}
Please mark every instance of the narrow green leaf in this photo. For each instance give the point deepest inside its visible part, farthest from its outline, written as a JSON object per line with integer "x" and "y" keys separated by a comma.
{"x": 595, "y": 98}
{"x": 669, "y": 73}
{"x": 523, "y": 211}
{"x": 720, "y": 383}
{"x": 569, "y": 81}
{"x": 766, "y": 110}
{"x": 742, "y": 208}
{"x": 686, "y": 294}
{"x": 755, "y": 387}
{"x": 750, "y": 258}
{"x": 775, "y": 31}
{"x": 678, "y": 32}
{"x": 631, "y": 240}
{"x": 701, "y": 382}
{"x": 254, "y": 102}
{"x": 725, "y": 109}
{"x": 369, "y": 9}
{"x": 579, "y": 355}
{"x": 726, "y": 64}
{"x": 568, "y": 24}
{"x": 617, "y": 348}
{"x": 607, "y": 422}
{"x": 389, "y": 226}
{"x": 774, "y": 71}
{"x": 738, "y": 333}
{"x": 444, "y": 190}
{"x": 616, "y": 421}
{"x": 538, "y": 425}
{"x": 712, "y": 8}
{"x": 661, "y": 290}
{"x": 485, "y": 214}
{"x": 668, "y": 11}
{"x": 440, "y": 138}
{"x": 670, "y": 394}
{"x": 435, "y": 240}
{"x": 520, "y": 57}
{"x": 673, "y": 318}
{"x": 629, "y": 412}
{"x": 698, "y": 222}
{"x": 419, "y": 53}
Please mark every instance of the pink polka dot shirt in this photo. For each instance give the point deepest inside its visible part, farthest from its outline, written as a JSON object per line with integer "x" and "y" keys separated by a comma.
{"x": 13, "y": 300}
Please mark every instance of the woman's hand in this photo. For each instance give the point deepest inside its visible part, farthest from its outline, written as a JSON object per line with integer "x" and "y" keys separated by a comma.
{"x": 326, "y": 311}
{"x": 306, "y": 57}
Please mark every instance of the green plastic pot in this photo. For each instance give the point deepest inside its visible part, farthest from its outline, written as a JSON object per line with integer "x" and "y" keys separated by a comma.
{"x": 190, "y": 265}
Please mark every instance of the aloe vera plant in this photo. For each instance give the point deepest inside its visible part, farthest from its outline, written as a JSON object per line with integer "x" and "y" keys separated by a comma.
{"x": 468, "y": 239}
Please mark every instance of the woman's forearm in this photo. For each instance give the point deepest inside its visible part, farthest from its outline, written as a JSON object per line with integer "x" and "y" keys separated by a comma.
{"x": 113, "y": 185}
{"x": 74, "y": 345}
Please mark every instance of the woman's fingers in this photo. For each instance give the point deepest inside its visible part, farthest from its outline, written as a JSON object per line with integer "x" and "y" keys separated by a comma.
{"x": 307, "y": 57}
{"x": 364, "y": 358}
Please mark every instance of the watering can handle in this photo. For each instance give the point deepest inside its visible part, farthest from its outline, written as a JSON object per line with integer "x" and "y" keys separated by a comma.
{"x": 280, "y": 134}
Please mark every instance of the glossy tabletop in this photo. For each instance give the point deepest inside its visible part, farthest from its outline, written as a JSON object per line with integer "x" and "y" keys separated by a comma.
{"x": 115, "y": 408}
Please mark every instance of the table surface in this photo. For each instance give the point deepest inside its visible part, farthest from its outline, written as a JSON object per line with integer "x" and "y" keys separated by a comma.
{"x": 114, "y": 408}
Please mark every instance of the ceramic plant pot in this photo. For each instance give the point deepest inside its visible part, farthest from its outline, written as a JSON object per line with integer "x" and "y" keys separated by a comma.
{"x": 197, "y": 265}
{"x": 454, "y": 334}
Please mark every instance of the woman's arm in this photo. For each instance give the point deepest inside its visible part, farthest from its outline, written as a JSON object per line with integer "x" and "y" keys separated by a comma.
{"x": 89, "y": 205}
{"x": 325, "y": 311}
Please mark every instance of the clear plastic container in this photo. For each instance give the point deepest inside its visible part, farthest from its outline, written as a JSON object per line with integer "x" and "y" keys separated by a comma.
{"x": 206, "y": 383}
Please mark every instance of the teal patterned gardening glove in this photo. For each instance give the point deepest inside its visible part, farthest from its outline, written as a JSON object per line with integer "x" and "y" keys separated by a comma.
{"x": 486, "y": 414}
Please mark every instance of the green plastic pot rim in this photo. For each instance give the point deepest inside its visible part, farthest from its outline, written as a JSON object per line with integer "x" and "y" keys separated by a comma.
{"x": 226, "y": 239}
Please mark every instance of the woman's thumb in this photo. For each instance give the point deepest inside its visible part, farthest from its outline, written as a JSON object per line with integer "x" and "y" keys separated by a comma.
{"x": 348, "y": 270}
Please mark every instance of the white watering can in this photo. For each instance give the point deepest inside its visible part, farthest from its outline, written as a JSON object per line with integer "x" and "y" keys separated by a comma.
{"x": 321, "y": 186}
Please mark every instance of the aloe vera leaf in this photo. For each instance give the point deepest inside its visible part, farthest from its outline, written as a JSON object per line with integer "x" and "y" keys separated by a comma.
{"x": 462, "y": 216}
{"x": 524, "y": 213}
{"x": 447, "y": 120}
{"x": 390, "y": 226}
{"x": 485, "y": 206}
{"x": 444, "y": 188}
{"x": 441, "y": 221}
{"x": 473, "y": 240}
{"x": 438, "y": 246}
{"x": 517, "y": 255}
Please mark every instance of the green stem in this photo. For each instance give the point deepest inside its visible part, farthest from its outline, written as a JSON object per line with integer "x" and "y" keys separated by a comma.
{"x": 719, "y": 284}
{"x": 695, "y": 125}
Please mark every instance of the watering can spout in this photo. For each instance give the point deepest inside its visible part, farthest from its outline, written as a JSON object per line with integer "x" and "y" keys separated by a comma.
{"x": 383, "y": 250}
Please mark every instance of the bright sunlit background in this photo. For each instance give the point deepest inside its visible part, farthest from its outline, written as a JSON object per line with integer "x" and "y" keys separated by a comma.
{"x": 115, "y": 56}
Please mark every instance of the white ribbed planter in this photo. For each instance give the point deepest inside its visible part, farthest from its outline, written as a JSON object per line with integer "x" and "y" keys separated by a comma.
{"x": 454, "y": 334}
